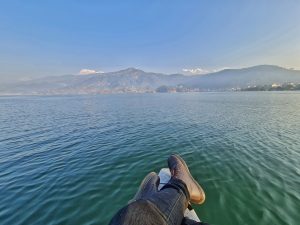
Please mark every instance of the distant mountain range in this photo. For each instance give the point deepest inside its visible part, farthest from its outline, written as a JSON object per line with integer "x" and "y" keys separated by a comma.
{"x": 135, "y": 80}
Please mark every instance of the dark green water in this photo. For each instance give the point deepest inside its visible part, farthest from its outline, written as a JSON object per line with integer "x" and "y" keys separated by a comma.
{"x": 78, "y": 159}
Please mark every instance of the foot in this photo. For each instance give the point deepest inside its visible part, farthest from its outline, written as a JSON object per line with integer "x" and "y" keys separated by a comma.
{"x": 180, "y": 171}
{"x": 148, "y": 185}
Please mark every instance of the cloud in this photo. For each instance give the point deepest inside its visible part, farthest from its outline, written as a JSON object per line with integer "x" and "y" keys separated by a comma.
{"x": 89, "y": 71}
{"x": 201, "y": 71}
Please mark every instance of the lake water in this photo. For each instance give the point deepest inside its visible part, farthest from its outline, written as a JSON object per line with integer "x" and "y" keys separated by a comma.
{"x": 78, "y": 159}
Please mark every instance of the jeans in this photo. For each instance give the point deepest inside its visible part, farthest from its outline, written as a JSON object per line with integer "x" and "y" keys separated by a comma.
{"x": 171, "y": 200}
{"x": 151, "y": 206}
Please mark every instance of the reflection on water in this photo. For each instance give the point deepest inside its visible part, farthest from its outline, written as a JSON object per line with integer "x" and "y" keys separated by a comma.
{"x": 78, "y": 159}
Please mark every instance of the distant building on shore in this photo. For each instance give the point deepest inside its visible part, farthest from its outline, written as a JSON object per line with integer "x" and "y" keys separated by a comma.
{"x": 276, "y": 85}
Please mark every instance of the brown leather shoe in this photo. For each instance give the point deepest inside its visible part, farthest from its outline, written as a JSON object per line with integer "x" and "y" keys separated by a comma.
{"x": 179, "y": 170}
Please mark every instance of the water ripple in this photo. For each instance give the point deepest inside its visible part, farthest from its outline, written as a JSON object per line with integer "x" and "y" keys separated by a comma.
{"x": 78, "y": 159}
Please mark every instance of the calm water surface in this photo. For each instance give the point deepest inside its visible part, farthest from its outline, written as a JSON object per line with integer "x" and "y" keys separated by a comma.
{"x": 78, "y": 159}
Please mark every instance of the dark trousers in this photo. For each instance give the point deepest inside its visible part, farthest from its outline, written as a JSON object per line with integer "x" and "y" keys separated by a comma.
{"x": 151, "y": 206}
{"x": 171, "y": 200}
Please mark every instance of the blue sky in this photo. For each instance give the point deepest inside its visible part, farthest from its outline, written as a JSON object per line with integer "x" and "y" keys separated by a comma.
{"x": 42, "y": 38}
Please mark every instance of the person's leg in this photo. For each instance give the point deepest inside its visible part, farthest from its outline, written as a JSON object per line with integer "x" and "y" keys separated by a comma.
{"x": 140, "y": 210}
{"x": 171, "y": 200}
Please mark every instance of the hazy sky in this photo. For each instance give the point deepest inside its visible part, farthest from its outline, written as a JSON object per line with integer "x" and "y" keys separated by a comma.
{"x": 42, "y": 38}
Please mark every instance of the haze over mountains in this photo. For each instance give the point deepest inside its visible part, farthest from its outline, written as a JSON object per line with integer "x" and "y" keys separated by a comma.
{"x": 135, "y": 80}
